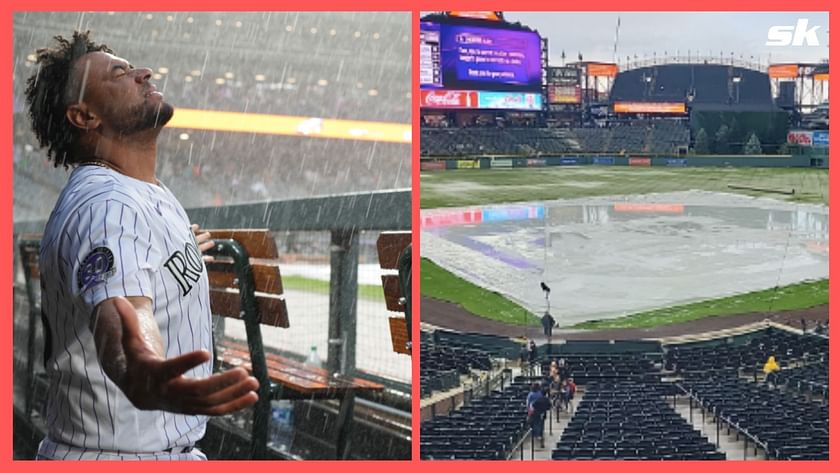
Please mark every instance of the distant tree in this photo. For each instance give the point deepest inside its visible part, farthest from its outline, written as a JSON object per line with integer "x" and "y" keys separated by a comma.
{"x": 753, "y": 145}
{"x": 784, "y": 148}
{"x": 701, "y": 142}
{"x": 722, "y": 140}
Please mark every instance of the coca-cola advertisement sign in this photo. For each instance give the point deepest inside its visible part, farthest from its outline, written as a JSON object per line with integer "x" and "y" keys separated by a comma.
{"x": 800, "y": 137}
{"x": 448, "y": 99}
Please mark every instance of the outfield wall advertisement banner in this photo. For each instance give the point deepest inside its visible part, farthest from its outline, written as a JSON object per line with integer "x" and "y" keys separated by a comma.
{"x": 501, "y": 163}
{"x": 800, "y": 137}
{"x": 603, "y": 161}
{"x": 820, "y": 139}
{"x": 815, "y": 138}
{"x": 432, "y": 165}
{"x": 468, "y": 164}
{"x": 639, "y": 162}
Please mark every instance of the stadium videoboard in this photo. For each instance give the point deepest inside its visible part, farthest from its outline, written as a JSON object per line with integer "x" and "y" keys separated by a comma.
{"x": 467, "y": 57}
{"x": 564, "y": 85}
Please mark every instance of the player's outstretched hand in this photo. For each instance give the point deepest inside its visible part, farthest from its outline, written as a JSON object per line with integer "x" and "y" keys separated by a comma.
{"x": 152, "y": 382}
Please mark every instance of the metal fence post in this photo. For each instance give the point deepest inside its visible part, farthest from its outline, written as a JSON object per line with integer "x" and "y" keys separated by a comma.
{"x": 532, "y": 445}
{"x": 344, "y": 271}
{"x": 690, "y": 408}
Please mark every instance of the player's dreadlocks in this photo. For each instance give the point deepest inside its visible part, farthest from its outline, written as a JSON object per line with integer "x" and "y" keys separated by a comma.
{"x": 47, "y": 96}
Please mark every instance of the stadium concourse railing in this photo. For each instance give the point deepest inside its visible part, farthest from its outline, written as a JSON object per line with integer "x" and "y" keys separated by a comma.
{"x": 344, "y": 216}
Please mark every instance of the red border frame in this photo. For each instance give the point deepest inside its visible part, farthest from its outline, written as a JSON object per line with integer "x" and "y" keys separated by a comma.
{"x": 370, "y": 5}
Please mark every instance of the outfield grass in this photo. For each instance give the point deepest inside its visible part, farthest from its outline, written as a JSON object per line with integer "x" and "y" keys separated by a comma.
{"x": 458, "y": 188}
{"x": 438, "y": 283}
{"x": 317, "y": 286}
{"x": 795, "y": 296}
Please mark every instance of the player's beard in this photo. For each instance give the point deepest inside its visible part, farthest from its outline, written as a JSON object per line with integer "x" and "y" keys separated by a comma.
{"x": 146, "y": 116}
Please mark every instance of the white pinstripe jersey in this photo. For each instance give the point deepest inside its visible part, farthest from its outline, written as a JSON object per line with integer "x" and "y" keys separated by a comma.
{"x": 112, "y": 235}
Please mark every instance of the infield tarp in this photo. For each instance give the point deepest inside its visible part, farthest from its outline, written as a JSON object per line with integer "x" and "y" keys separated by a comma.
{"x": 610, "y": 256}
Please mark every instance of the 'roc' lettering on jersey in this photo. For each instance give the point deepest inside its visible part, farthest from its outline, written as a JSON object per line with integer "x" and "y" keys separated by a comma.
{"x": 185, "y": 267}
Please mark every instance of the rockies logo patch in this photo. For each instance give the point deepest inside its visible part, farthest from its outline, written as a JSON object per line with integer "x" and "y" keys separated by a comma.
{"x": 96, "y": 268}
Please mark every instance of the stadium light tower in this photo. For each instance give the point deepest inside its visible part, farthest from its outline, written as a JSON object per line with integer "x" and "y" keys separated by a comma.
{"x": 547, "y": 291}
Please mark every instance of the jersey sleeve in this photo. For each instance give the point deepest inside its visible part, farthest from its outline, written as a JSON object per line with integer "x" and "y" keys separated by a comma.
{"x": 108, "y": 252}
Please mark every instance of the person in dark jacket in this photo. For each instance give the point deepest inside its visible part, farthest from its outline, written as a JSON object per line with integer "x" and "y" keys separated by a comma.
{"x": 548, "y": 323}
{"x": 536, "y": 411}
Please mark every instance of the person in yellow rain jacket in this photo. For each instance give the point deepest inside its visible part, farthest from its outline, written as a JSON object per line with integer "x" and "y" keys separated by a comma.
{"x": 771, "y": 365}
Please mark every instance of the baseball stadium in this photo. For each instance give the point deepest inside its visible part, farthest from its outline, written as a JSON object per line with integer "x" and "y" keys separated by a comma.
{"x": 290, "y": 143}
{"x": 623, "y": 257}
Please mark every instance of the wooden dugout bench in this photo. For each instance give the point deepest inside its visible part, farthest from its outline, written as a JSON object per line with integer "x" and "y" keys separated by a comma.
{"x": 394, "y": 249}
{"x": 245, "y": 284}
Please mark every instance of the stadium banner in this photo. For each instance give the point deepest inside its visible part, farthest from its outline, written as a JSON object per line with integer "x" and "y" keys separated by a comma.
{"x": 823, "y": 76}
{"x": 638, "y": 162}
{"x": 678, "y": 162}
{"x": 558, "y": 93}
{"x": 448, "y": 99}
{"x": 468, "y": 164}
{"x": 501, "y": 163}
{"x": 569, "y": 161}
{"x": 535, "y": 163}
{"x": 649, "y": 107}
{"x": 783, "y": 71}
{"x": 432, "y": 165}
{"x": 820, "y": 139}
{"x": 509, "y": 100}
{"x": 513, "y": 212}
{"x": 800, "y": 137}
{"x": 603, "y": 160}
{"x": 602, "y": 70}
{"x": 457, "y": 56}
{"x": 446, "y": 218}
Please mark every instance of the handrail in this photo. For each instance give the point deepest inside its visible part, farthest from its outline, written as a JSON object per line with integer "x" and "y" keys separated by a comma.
{"x": 262, "y": 409}
{"x": 520, "y": 443}
{"x": 720, "y": 416}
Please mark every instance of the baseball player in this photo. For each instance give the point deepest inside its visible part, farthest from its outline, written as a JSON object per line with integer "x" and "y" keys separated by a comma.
{"x": 125, "y": 295}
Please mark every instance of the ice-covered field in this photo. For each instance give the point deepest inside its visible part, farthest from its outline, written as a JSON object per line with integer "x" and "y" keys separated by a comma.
{"x": 604, "y": 257}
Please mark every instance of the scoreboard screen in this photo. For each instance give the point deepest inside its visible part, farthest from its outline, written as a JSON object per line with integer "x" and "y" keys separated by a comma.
{"x": 467, "y": 57}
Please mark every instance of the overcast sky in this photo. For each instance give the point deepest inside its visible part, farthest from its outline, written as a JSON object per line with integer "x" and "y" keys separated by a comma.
{"x": 593, "y": 34}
